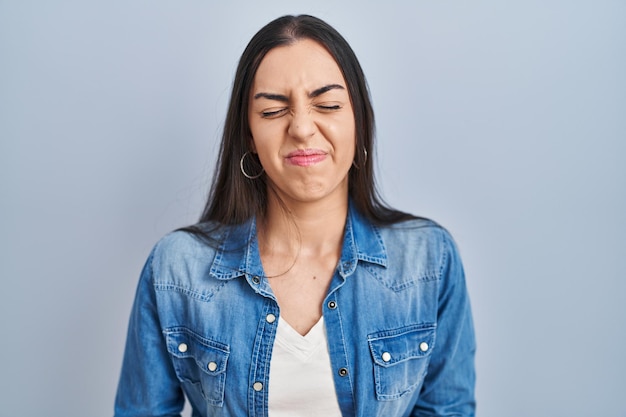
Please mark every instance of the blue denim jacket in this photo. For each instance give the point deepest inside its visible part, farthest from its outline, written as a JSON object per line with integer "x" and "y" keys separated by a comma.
{"x": 397, "y": 315}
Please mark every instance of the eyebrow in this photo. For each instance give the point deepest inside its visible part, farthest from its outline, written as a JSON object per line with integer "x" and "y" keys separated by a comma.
{"x": 269, "y": 96}
{"x": 322, "y": 90}
{"x": 315, "y": 93}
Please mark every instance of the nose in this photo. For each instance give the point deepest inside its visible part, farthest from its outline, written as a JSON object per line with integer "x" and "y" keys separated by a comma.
{"x": 302, "y": 125}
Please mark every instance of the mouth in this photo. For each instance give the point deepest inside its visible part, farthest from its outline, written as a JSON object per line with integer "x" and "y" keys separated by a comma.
{"x": 306, "y": 157}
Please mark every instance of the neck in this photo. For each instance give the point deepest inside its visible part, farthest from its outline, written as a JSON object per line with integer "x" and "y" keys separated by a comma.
{"x": 314, "y": 229}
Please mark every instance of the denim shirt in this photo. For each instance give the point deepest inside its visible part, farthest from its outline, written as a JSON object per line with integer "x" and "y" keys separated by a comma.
{"x": 397, "y": 316}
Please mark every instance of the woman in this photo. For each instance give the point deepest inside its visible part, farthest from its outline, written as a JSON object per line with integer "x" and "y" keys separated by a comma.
{"x": 299, "y": 293}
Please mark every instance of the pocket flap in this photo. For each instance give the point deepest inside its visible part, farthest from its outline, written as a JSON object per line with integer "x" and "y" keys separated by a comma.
{"x": 210, "y": 356}
{"x": 390, "y": 347}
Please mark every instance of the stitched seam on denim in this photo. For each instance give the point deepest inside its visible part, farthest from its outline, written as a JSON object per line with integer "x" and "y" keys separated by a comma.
{"x": 345, "y": 349}
{"x": 258, "y": 347}
{"x": 191, "y": 293}
{"x": 371, "y": 259}
{"x": 432, "y": 276}
{"x": 401, "y": 330}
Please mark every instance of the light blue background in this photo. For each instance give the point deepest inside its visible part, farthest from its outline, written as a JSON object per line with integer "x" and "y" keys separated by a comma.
{"x": 505, "y": 121}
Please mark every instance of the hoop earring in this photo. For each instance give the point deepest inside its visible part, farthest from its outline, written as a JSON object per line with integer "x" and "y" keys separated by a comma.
{"x": 364, "y": 159}
{"x": 243, "y": 171}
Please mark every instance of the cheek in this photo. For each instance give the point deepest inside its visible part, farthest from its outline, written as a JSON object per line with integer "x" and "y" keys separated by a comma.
{"x": 341, "y": 128}
{"x": 347, "y": 132}
{"x": 262, "y": 137}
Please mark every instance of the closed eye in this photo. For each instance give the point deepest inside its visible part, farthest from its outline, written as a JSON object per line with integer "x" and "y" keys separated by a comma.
{"x": 328, "y": 107}
{"x": 268, "y": 114}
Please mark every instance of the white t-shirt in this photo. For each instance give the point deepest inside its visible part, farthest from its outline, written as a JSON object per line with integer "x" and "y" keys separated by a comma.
{"x": 301, "y": 377}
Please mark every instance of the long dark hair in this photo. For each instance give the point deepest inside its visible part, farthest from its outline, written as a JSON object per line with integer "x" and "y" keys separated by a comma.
{"x": 233, "y": 198}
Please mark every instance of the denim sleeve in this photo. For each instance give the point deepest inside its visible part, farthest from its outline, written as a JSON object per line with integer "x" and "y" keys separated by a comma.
{"x": 448, "y": 388}
{"x": 148, "y": 385}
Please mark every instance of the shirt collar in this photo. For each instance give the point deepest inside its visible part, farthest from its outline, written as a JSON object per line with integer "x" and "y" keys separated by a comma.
{"x": 238, "y": 254}
{"x": 362, "y": 241}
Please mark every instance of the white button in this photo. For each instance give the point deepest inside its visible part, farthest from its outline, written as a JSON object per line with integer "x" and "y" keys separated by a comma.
{"x": 182, "y": 348}
{"x": 423, "y": 346}
{"x": 257, "y": 386}
{"x": 270, "y": 318}
{"x": 212, "y": 366}
{"x": 386, "y": 356}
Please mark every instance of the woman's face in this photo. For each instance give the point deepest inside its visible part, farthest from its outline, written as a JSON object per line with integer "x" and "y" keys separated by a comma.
{"x": 302, "y": 123}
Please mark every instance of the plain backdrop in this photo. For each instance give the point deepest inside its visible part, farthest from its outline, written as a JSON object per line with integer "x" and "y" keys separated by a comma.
{"x": 504, "y": 121}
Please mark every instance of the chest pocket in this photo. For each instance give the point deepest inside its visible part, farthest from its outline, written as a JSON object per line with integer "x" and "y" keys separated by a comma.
{"x": 401, "y": 359}
{"x": 199, "y": 362}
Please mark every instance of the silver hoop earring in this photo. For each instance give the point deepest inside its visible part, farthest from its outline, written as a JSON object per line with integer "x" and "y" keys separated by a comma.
{"x": 243, "y": 171}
